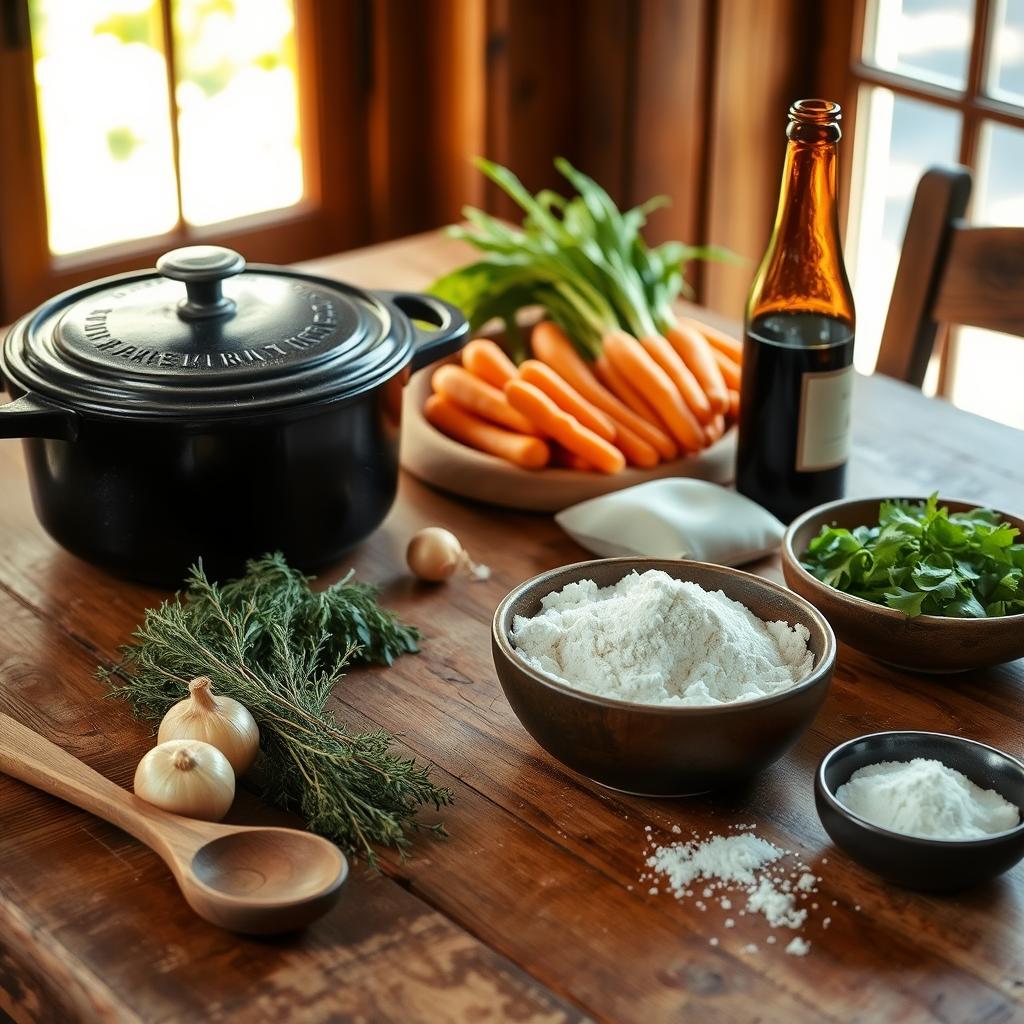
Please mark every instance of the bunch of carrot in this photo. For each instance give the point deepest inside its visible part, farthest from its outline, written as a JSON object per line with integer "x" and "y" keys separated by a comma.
{"x": 641, "y": 402}
{"x": 615, "y": 377}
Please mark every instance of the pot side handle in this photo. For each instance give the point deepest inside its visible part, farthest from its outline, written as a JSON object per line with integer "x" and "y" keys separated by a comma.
{"x": 451, "y": 329}
{"x": 31, "y": 416}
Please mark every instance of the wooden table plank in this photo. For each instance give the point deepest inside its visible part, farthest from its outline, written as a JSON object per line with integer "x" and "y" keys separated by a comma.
{"x": 110, "y": 913}
{"x": 531, "y": 895}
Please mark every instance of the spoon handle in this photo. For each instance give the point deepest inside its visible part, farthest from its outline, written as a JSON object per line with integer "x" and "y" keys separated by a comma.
{"x": 25, "y": 755}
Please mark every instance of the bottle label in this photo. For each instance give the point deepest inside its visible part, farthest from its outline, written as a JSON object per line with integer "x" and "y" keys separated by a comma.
{"x": 823, "y": 438}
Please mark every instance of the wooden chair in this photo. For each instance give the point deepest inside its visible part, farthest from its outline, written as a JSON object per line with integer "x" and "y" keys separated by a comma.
{"x": 949, "y": 273}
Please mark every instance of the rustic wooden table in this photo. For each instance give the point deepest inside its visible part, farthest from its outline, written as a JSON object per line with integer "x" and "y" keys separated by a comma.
{"x": 530, "y": 911}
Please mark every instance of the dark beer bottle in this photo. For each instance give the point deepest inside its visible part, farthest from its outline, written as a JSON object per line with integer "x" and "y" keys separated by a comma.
{"x": 798, "y": 345}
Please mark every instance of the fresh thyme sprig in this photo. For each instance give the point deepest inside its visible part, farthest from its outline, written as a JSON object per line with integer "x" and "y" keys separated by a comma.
{"x": 276, "y": 646}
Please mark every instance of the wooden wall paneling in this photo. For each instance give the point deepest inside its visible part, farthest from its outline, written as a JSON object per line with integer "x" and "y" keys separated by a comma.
{"x": 600, "y": 136}
{"x": 399, "y": 119}
{"x": 23, "y": 243}
{"x": 333, "y": 106}
{"x": 763, "y": 61}
{"x": 669, "y": 121}
{"x": 532, "y": 115}
{"x": 458, "y": 78}
{"x": 427, "y": 112}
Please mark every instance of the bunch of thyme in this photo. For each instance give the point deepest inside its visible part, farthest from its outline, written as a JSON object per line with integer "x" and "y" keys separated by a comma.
{"x": 278, "y": 647}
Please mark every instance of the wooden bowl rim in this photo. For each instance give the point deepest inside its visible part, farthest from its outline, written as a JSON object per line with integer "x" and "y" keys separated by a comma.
{"x": 818, "y": 673}
{"x": 927, "y": 841}
{"x": 790, "y": 560}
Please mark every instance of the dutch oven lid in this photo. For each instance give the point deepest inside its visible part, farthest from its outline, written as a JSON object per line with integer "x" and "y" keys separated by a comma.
{"x": 205, "y": 334}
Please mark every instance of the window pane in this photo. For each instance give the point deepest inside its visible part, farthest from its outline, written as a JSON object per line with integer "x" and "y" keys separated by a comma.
{"x": 898, "y": 139}
{"x": 1006, "y": 62}
{"x": 988, "y": 367}
{"x": 238, "y": 109}
{"x": 108, "y": 162}
{"x": 925, "y": 39}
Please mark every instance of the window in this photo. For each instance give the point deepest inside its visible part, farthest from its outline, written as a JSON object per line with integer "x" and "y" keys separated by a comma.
{"x": 142, "y": 125}
{"x": 207, "y": 102}
{"x": 937, "y": 82}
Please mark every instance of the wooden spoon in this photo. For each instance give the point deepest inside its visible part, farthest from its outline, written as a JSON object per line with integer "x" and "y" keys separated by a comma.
{"x": 253, "y": 880}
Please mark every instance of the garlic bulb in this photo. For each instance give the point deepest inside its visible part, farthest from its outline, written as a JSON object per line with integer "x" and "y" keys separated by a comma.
{"x": 435, "y": 554}
{"x": 186, "y": 777}
{"x": 220, "y": 721}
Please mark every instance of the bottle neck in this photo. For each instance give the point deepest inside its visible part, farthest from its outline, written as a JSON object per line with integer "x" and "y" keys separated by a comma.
{"x": 803, "y": 269}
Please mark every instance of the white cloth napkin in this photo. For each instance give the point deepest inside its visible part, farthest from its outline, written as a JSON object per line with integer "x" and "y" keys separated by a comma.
{"x": 674, "y": 518}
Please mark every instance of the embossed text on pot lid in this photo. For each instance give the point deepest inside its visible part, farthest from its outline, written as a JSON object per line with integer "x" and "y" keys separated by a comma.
{"x": 206, "y": 334}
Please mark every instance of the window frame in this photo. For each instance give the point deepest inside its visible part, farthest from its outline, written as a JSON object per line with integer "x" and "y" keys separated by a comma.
{"x": 328, "y": 218}
{"x": 848, "y": 22}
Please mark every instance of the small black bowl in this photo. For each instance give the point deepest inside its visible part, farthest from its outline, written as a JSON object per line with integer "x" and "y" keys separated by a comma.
{"x": 935, "y": 865}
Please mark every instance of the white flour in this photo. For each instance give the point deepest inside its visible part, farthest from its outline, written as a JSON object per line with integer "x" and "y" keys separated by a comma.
{"x": 652, "y": 639}
{"x": 924, "y": 797}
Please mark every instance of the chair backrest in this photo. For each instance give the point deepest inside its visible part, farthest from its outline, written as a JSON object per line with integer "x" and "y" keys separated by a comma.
{"x": 949, "y": 273}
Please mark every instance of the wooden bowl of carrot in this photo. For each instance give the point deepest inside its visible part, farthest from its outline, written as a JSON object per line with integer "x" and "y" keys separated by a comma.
{"x": 557, "y": 429}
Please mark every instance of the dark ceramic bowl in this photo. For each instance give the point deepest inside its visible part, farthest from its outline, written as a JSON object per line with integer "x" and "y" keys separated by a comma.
{"x": 925, "y": 643}
{"x": 915, "y": 862}
{"x": 654, "y": 750}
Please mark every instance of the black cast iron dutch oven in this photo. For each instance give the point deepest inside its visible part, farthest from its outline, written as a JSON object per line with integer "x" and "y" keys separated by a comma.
{"x": 218, "y": 420}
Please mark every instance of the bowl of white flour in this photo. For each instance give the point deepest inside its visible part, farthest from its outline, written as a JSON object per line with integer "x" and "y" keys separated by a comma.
{"x": 923, "y": 809}
{"x": 661, "y": 677}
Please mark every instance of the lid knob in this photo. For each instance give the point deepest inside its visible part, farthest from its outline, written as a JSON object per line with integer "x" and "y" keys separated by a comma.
{"x": 202, "y": 268}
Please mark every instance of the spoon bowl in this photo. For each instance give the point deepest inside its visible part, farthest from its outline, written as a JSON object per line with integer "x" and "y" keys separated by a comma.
{"x": 254, "y": 880}
{"x": 239, "y": 878}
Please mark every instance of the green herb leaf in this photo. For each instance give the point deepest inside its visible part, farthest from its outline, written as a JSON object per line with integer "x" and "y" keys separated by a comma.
{"x": 271, "y": 642}
{"x": 924, "y": 560}
{"x": 581, "y": 259}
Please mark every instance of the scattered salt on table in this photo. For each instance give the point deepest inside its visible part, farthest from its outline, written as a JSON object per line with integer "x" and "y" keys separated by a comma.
{"x": 806, "y": 882}
{"x": 729, "y": 858}
{"x": 777, "y": 906}
{"x": 747, "y": 862}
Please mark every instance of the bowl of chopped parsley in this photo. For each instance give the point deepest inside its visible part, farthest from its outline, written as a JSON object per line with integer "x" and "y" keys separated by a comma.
{"x": 923, "y": 583}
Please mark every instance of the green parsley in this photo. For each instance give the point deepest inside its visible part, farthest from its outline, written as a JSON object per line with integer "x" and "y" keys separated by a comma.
{"x": 925, "y": 560}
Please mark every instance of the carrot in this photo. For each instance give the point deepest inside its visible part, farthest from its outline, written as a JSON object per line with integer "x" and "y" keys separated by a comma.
{"x": 734, "y": 404}
{"x": 563, "y": 428}
{"x": 630, "y": 357}
{"x": 715, "y": 429}
{"x": 730, "y": 370}
{"x": 717, "y": 339}
{"x": 552, "y": 346}
{"x": 617, "y": 384}
{"x": 693, "y": 349}
{"x": 685, "y": 379}
{"x": 487, "y": 360}
{"x": 478, "y": 397}
{"x": 569, "y": 460}
{"x": 637, "y": 451}
{"x": 522, "y": 449}
{"x": 567, "y": 398}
